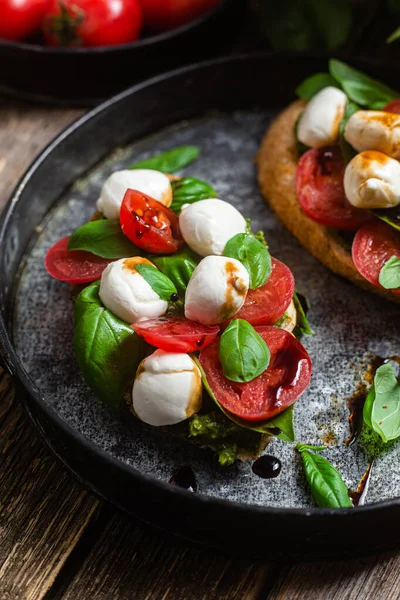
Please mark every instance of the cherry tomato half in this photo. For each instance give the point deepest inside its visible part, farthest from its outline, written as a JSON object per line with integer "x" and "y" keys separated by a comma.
{"x": 149, "y": 224}
{"x": 167, "y": 14}
{"x": 373, "y": 245}
{"x": 393, "y": 106}
{"x": 176, "y": 334}
{"x": 92, "y": 22}
{"x": 267, "y": 304}
{"x": 319, "y": 187}
{"x": 21, "y": 18}
{"x": 285, "y": 379}
{"x": 73, "y": 266}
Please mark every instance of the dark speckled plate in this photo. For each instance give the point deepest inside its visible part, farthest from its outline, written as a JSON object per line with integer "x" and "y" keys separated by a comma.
{"x": 223, "y": 107}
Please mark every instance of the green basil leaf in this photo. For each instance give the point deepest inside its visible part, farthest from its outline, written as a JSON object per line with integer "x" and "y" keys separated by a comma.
{"x": 169, "y": 161}
{"x": 259, "y": 235}
{"x": 108, "y": 351}
{"x": 177, "y": 267}
{"x": 243, "y": 353}
{"x": 347, "y": 150}
{"x": 160, "y": 283}
{"x": 104, "y": 238}
{"x": 253, "y": 255}
{"x": 367, "y": 409}
{"x": 188, "y": 190}
{"x": 314, "y": 84}
{"x": 395, "y": 35}
{"x": 302, "y": 305}
{"x": 385, "y": 413}
{"x": 391, "y": 216}
{"x": 361, "y": 88}
{"x": 389, "y": 275}
{"x": 327, "y": 486}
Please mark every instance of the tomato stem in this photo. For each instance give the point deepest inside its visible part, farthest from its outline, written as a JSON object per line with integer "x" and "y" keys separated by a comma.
{"x": 64, "y": 26}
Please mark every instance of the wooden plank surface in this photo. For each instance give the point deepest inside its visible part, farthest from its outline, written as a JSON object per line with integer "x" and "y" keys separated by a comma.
{"x": 59, "y": 543}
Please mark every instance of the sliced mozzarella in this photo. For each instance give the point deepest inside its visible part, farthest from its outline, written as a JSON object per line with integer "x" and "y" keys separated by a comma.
{"x": 153, "y": 183}
{"x": 126, "y": 293}
{"x": 374, "y": 130}
{"x": 372, "y": 180}
{"x": 319, "y": 123}
{"x": 207, "y": 225}
{"x": 216, "y": 290}
{"x": 289, "y": 319}
{"x": 167, "y": 388}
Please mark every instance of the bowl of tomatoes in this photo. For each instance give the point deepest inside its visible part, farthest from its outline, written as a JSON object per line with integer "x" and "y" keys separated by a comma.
{"x": 79, "y": 52}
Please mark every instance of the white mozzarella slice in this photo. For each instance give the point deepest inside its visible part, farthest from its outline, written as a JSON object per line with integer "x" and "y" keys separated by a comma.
{"x": 374, "y": 130}
{"x": 372, "y": 180}
{"x": 217, "y": 290}
{"x": 152, "y": 183}
{"x": 167, "y": 389}
{"x": 207, "y": 225}
{"x": 126, "y": 293}
{"x": 319, "y": 123}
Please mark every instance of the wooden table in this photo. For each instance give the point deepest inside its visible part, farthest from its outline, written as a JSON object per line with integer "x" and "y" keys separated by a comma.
{"x": 59, "y": 542}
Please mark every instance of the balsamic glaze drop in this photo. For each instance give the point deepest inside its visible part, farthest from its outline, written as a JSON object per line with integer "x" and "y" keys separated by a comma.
{"x": 267, "y": 466}
{"x": 184, "y": 478}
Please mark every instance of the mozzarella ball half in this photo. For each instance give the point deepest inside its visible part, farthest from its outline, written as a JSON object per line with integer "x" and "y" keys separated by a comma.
{"x": 216, "y": 290}
{"x": 153, "y": 183}
{"x": 319, "y": 123}
{"x": 207, "y": 225}
{"x": 167, "y": 389}
{"x": 374, "y": 130}
{"x": 127, "y": 294}
{"x": 372, "y": 180}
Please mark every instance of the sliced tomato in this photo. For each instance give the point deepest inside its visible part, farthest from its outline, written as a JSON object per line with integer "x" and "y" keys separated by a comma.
{"x": 285, "y": 379}
{"x": 393, "y": 106}
{"x": 176, "y": 334}
{"x": 319, "y": 188}
{"x": 149, "y": 224}
{"x": 268, "y": 303}
{"x": 373, "y": 245}
{"x": 73, "y": 266}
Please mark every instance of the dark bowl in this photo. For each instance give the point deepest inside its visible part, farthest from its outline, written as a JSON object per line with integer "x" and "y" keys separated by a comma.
{"x": 86, "y": 76}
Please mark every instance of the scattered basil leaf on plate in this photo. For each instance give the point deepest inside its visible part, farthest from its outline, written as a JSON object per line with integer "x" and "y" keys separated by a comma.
{"x": 178, "y": 267}
{"x": 314, "y": 84}
{"x": 389, "y": 275}
{"x": 391, "y": 216}
{"x": 302, "y": 306}
{"x": 395, "y": 35}
{"x": 327, "y": 486}
{"x": 253, "y": 255}
{"x": 160, "y": 283}
{"x": 188, "y": 190}
{"x": 383, "y": 408}
{"x": 169, "y": 161}
{"x": 347, "y": 150}
{"x": 107, "y": 350}
{"x": 104, "y": 238}
{"x": 243, "y": 353}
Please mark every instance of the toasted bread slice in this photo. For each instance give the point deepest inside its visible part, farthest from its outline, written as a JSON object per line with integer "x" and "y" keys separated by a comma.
{"x": 276, "y": 167}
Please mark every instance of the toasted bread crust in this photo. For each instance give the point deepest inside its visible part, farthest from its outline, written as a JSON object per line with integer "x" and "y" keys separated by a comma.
{"x": 276, "y": 168}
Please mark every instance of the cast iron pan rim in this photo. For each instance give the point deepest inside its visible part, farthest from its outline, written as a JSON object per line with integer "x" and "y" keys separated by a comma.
{"x": 15, "y": 367}
{"x": 141, "y": 43}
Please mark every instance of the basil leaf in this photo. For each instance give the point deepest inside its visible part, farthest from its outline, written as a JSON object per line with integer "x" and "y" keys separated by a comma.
{"x": 389, "y": 275}
{"x": 327, "y": 486}
{"x": 391, "y": 216}
{"x": 108, "y": 351}
{"x": 361, "y": 88}
{"x": 367, "y": 409}
{"x": 103, "y": 238}
{"x": 177, "y": 267}
{"x": 385, "y": 412}
{"x": 302, "y": 305}
{"x": 393, "y": 36}
{"x": 160, "y": 283}
{"x": 259, "y": 235}
{"x": 347, "y": 150}
{"x": 253, "y": 255}
{"x": 243, "y": 353}
{"x": 188, "y": 190}
{"x": 314, "y": 84}
{"x": 169, "y": 161}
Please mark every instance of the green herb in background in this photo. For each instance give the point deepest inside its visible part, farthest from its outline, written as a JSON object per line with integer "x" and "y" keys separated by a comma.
{"x": 169, "y": 161}
{"x": 188, "y": 190}
{"x": 302, "y": 306}
{"x": 314, "y": 84}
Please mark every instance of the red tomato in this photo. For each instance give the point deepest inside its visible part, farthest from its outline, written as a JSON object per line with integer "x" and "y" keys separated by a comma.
{"x": 92, "y": 22}
{"x": 176, "y": 334}
{"x": 393, "y": 106}
{"x": 319, "y": 187}
{"x": 285, "y": 379}
{"x": 21, "y": 18}
{"x": 267, "y": 304}
{"x": 73, "y": 266}
{"x": 149, "y": 224}
{"x": 373, "y": 245}
{"x": 167, "y": 14}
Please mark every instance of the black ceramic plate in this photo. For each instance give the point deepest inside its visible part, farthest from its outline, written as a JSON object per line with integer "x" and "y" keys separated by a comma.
{"x": 224, "y": 107}
{"x": 86, "y": 76}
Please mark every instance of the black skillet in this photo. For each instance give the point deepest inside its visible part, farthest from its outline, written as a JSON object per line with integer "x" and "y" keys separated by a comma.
{"x": 231, "y": 84}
